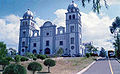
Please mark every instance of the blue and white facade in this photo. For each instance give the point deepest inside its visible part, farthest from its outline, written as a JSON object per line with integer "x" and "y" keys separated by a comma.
{"x": 48, "y": 40}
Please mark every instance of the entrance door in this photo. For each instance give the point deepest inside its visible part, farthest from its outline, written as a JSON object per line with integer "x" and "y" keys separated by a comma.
{"x": 47, "y": 51}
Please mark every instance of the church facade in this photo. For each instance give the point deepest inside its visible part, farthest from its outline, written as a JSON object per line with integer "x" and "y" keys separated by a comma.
{"x": 49, "y": 39}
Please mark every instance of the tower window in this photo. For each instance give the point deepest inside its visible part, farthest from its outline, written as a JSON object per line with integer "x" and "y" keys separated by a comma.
{"x": 22, "y": 50}
{"x": 34, "y": 44}
{"x": 26, "y": 23}
{"x": 71, "y": 28}
{"x": 61, "y": 43}
{"x": 72, "y": 40}
{"x": 73, "y": 16}
{"x": 23, "y": 23}
{"x": 47, "y": 43}
{"x": 70, "y": 17}
{"x": 23, "y": 33}
{"x": 23, "y": 44}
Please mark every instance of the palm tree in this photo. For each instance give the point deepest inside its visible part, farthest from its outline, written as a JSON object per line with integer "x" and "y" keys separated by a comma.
{"x": 113, "y": 29}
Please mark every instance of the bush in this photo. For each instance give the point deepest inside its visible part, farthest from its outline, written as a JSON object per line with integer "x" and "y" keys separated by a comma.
{"x": 14, "y": 69}
{"x": 47, "y": 56}
{"x": 17, "y": 58}
{"x": 4, "y": 62}
{"x": 34, "y": 58}
{"x": 49, "y": 63}
{"x": 24, "y": 58}
{"x": 42, "y": 57}
{"x": 30, "y": 55}
{"x": 87, "y": 55}
{"x": 9, "y": 59}
{"x": 34, "y": 66}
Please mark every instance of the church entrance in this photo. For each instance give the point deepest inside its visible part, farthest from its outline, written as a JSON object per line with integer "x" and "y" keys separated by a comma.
{"x": 47, "y": 51}
{"x": 34, "y": 51}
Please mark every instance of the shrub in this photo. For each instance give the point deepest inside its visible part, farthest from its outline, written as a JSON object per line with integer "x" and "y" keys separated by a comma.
{"x": 24, "y": 58}
{"x": 4, "y": 62}
{"x": 30, "y": 55}
{"x": 49, "y": 63}
{"x": 47, "y": 56}
{"x": 14, "y": 69}
{"x": 34, "y": 58}
{"x": 17, "y": 58}
{"x": 42, "y": 57}
{"x": 34, "y": 66}
{"x": 87, "y": 55}
{"x": 9, "y": 59}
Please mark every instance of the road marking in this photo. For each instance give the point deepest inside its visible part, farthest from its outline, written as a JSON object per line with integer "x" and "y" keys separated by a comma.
{"x": 110, "y": 67}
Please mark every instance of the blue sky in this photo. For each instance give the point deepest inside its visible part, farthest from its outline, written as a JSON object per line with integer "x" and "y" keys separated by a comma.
{"x": 12, "y": 10}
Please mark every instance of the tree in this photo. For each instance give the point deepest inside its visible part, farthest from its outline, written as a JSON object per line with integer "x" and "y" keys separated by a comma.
{"x": 49, "y": 63}
{"x": 96, "y": 4}
{"x": 14, "y": 69}
{"x": 102, "y": 52}
{"x": 115, "y": 30}
{"x": 4, "y": 62}
{"x": 60, "y": 52}
{"x": 17, "y": 58}
{"x": 34, "y": 66}
{"x": 3, "y": 50}
{"x": 94, "y": 50}
{"x": 42, "y": 57}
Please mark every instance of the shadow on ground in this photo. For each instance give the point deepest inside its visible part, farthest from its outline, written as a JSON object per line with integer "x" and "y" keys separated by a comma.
{"x": 42, "y": 72}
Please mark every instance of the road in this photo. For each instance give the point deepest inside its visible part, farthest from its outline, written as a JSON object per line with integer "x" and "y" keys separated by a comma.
{"x": 104, "y": 66}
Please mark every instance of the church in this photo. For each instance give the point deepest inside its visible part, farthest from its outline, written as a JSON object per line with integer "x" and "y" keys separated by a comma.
{"x": 50, "y": 38}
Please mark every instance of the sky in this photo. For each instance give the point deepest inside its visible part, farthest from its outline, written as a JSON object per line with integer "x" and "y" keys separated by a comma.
{"x": 95, "y": 27}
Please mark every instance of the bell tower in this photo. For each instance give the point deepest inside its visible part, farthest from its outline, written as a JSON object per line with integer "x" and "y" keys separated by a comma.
{"x": 73, "y": 30}
{"x": 26, "y": 27}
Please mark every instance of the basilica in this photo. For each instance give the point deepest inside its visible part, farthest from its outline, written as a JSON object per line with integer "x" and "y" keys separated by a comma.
{"x": 50, "y": 38}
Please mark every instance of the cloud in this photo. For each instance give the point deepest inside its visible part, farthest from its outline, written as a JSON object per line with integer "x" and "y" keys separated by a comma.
{"x": 96, "y": 29}
{"x": 9, "y": 30}
{"x": 60, "y": 17}
{"x": 111, "y": 2}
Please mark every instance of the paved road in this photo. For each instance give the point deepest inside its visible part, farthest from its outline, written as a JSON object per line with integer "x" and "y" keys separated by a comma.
{"x": 104, "y": 66}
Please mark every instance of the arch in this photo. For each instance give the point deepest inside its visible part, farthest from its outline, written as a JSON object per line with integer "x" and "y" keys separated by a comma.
{"x": 73, "y": 16}
{"x": 34, "y": 51}
{"x": 47, "y": 51}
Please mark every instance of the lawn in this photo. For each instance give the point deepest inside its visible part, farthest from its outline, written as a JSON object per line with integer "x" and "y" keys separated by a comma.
{"x": 64, "y": 65}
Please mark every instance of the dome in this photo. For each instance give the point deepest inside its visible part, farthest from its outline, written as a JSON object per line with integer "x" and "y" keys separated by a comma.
{"x": 47, "y": 23}
{"x": 28, "y": 14}
{"x": 72, "y": 7}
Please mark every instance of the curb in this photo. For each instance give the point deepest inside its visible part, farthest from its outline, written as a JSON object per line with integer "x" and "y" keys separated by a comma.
{"x": 117, "y": 60}
{"x": 83, "y": 70}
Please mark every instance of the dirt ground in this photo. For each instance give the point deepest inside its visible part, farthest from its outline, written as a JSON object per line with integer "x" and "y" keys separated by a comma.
{"x": 63, "y": 65}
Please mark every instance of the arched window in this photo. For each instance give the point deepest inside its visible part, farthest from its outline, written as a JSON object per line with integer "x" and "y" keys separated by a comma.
{"x": 23, "y": 33}
{"x": 26, "y": 23}
{"x": 73, "y": 16}
{"x": 23, "y": 44}
{"x": 34, "y": 51}
{"x": 70, "y": 17}
{"x": 22, "y": 50}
